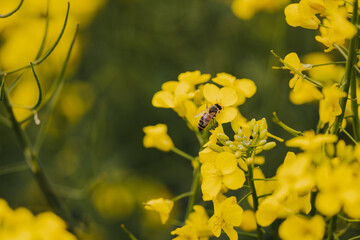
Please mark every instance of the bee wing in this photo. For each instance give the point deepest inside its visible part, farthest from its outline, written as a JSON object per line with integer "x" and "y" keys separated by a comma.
{"x": 200, "y": 113}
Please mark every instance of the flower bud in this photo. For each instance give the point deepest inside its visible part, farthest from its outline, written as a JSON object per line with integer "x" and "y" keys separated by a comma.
{"x": 263, "y": 124}
{"x": 240, "y": 132}
{"x": 252, "y": 123}
{"x": 238, "y": 154}
{"x": 215, "y": 148}
{"x": 263, "y": 133}
{"x": 261, "y": 142}
{"x": 233, "y": 147}
{"x": 222, "y": 136}
{"x": 269, "y": 146}
{"x": 229, "y": 143}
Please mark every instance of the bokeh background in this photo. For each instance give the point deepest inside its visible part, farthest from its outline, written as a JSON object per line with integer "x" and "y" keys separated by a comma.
{"x": 92, "y": 151}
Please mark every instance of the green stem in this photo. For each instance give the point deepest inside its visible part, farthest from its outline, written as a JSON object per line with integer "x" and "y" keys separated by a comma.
{"x": 325, "y": 64}
{"x": 332, "y": 228}
{"x": 259, "y": 230}
{"x": 32, "y": 162}
{"x": 286, "y": 127}
{"x": 349, "y": 135}
{"x": 348, "y": 220}
{"x": 194, "y": 190}
{"x": 264, "y": 179}
{"x": 183, "y": 195}
{"x": 183, "y": 154}
{"x": 13, "y": 11}
{"x": 349, "y": 74}
{"x": 244, "y": 197}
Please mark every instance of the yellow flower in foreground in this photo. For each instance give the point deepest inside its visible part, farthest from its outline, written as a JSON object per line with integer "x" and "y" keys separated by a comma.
{"x": 249, "y": 222}
{"x": 336, "y": 30}
{"x": 329, "y": 107}
{"x": 22, "y": 224}
{"x": 162, "y": 206}
{"x": 303, "y": 14}
{"x": 196, "y": 226}
{"x": 221, "y": 173}
{"x": 310, "y": 141}
{"x": 293, "y": 60}
{"x": 298, "y": 227}
{"x": 156, "y": 136}
{"x": 334, "y": 185}
{"x": 227, "y": 215}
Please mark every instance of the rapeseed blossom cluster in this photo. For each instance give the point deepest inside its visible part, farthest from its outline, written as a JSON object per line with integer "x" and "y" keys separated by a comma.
{"x": 22, "y": 224}
{"x": 314, "y": 193}
{"x": 334, "y": 27}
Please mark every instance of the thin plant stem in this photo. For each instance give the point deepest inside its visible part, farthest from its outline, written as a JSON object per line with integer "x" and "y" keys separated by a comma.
{"x": 264, "y": 179}
{"x": 181, "y": 196}
{"x": 47, "y": 54}
{"x": 13, "y": 11}
{"x": 244, "y": 197}
{"x": 348, "y": 220}
{"x": 128, "y": 233}
{"x": 182, "y": 154}
{"x": 259, "y": 230}
{"x": 345, "y": 84}
{"x": 286, "y": 127}
{"x": 354, "y": 238}
{"x": 349, "y": 135}
{"x": 332, "y": 228}
{"x": 33, "y": 164}
{"x": 330, "y": 63}
{"x": 194, "y": 190}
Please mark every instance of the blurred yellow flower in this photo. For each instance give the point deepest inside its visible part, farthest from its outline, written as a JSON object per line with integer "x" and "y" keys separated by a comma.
{"x": 329, "y": 106}
{"x": 335, "y": 30}
{"x": 196, "y": 226}
{"x": 307, "y": 93}
{"x": 227, "y": 215}
{"x": 310, "y": 141}
{"x": 21, "y": 224}
{"x": 162, "y": 206}
{"x": 246, "y": 9}
{"x": 248, "y": 223}
{"x": 327, "y": 74}
{"x": 156, "y": 136}
{"x": 297, "y": 227}
{"x": 303, "y": 14}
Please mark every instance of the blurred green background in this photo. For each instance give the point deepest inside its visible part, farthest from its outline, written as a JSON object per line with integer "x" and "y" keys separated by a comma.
{"x": 96, "y": 160}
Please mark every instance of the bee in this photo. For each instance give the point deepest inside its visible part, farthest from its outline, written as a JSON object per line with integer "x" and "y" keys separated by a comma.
{"x": 208, "y": 115}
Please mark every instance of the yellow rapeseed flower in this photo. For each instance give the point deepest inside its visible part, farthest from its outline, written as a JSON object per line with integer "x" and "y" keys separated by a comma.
{"x": 329, "y": 106}
{"x": 335, "y": 30}
{"x": 21, "y": 224}
{"x": 162, "y": 206}
{"x": 227, "y": 215}
{"x": 156, "y": 136}
{"x": 298, "y": 227}
{"x": 221, "y": 173}
{"x": 293, "y": 60}
{"x": 245, "y": 9}
{"x": 196, "y": 226}
{"x": 310, "y": 141}
{"x": 226, "y": 97}
{"x": 303, "y": 14}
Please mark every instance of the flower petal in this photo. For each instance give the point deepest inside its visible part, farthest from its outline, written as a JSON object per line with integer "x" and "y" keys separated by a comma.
{"x": 212, "y": 93}
{"x": 163, "y": 99}
{"x": 235, "y": 180}
{"x": 226, "y": 115}
{"x": 229, "y": 96}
